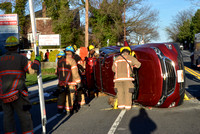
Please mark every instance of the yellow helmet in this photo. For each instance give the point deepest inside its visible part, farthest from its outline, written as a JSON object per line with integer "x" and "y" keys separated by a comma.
{"x": 125, "y": 48}
{"x": 91, "y": 47}
{"x": 11, "y": 41}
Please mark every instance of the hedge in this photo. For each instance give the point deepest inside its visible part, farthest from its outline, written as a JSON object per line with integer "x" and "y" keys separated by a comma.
{"x": 33, "y": 56}
{"x": 52, "y": 55}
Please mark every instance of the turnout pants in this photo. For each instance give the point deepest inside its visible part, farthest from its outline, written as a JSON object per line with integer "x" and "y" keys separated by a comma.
{"x": 65, "y": 100}
{"x": 123, "y": 94}
{"x": 19, "y": 106}
{"x": 80, "y": 97}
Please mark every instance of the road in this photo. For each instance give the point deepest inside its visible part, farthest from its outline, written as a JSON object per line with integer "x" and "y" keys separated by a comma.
{"x": 99, "y": 118}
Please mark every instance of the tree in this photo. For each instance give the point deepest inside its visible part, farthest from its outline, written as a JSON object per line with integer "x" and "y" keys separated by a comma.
{"x": 195, "y": 2}
{"x": 184, "y": 32}
{"x": 178, "y": 21}
{"x": 6, "y": 7}
{"x": 195, "y": 24}
{"x": 66, "y": 22}
{"x": 143, "y": 24}
{"x": 106, "y": 20}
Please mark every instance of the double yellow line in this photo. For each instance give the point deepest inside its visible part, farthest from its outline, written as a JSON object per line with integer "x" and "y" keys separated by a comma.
{"x": 192, "y": 72}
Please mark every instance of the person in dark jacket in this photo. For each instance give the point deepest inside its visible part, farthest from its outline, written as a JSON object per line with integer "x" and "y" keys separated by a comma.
{"x": 13, "y": 91}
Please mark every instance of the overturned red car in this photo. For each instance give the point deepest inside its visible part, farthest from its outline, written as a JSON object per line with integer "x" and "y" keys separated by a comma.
{"x": 160, "y": 81}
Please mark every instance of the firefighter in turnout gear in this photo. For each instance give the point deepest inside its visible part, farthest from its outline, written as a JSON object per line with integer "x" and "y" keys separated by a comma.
{"x": 68, "y": 76}
{"x": 13, "y": 91}
{"x": 80, "y": 97}
{"x": 92, "y": 52}
{"x": 122, "y": 67}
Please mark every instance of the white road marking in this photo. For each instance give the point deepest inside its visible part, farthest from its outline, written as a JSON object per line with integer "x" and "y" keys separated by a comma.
{"x": 116, "y": 123}
{"x": 49, "y": 120}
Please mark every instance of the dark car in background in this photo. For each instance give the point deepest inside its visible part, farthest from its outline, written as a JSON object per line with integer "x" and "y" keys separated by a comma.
{"x": 160, "y": 81}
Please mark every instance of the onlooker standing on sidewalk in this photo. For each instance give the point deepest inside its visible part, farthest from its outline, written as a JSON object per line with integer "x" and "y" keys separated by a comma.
{"x": 122, "y": 67}
{"x": 13, "y": 92}
{"x": 47, "y": 55}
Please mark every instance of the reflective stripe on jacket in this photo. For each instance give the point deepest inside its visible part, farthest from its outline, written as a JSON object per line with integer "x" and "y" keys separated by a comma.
{"x": 13, "y": 68}
{"x": 67, "y": 71}
{"x": 122, "y": 69}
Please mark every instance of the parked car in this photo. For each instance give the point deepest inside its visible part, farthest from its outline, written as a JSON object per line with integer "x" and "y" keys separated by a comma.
{"x": 160, "y": 81}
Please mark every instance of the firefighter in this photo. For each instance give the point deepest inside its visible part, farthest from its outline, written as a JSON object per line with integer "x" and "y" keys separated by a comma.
{"x": 80, "y": 98}
{"x": 92, "y": 52}
{"x": 122, "y": 67}
{"x": 13, "y": 91}
{"x": 68, "y": 76}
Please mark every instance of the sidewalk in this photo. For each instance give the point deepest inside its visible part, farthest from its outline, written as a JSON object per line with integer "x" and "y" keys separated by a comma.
{"x": 47, "y": 86}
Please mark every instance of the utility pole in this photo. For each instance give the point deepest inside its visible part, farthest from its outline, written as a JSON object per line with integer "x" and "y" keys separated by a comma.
{"x": 86, "y": 23}
{"x": 124, "y": 21}
{"x": 39, "y": 74}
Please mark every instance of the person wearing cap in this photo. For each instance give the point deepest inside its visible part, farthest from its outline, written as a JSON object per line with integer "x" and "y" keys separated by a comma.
{"x": 92, "y": 53}
{"x": 123, "y": 69}
{"x": 68, "y": 77}
{"x": 13, "y": 91}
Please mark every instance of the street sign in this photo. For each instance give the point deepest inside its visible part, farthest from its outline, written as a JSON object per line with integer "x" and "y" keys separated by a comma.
{"x": 49, "y": 40}
{"x": 9, "y": 29}
{"x": 8, "y": 19}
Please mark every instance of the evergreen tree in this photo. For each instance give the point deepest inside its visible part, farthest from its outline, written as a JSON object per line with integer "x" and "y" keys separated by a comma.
{"x": 66, "y": 22}
{"x": 185, "y": 33}
{"x": 7, "y": 7}
{"x": 106, "y": 22}
{"x": 195, "y": 24}
{"x": 20, "y": 10}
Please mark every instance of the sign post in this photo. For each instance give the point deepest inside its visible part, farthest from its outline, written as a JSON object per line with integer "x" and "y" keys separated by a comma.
{"x": 39, "y": 76}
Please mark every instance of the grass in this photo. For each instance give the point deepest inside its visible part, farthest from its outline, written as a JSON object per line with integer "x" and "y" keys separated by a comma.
{"x": 47, "y": 75}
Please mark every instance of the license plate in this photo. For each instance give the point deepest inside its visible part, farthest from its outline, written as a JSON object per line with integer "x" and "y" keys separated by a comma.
{"x": 180, "y": 76}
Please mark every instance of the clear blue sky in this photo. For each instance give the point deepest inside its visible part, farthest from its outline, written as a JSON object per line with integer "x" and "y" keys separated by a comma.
{"x": 167, "y": 9}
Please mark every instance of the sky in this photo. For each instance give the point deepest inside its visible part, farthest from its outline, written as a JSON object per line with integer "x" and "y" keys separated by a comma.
{"x": 167, "y": 10}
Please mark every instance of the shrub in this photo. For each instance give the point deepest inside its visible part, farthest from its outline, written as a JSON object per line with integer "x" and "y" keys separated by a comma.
{"x": 52, "y": 55}
{"x": 33, "y": 56}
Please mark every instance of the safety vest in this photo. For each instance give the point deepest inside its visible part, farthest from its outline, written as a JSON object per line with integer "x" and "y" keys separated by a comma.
{"x": 13, "y": 68}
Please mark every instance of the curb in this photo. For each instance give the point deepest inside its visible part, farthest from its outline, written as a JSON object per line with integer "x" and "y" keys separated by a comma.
{"x": 46, "y": 88}
{"x": 33, "y": 94}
